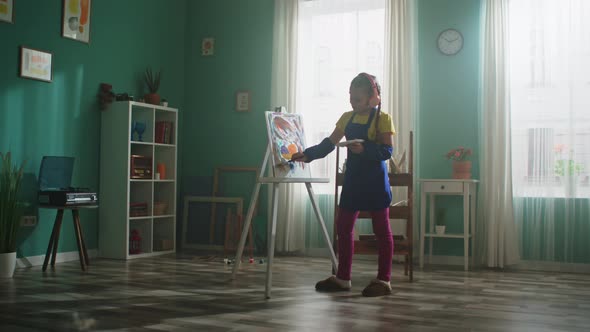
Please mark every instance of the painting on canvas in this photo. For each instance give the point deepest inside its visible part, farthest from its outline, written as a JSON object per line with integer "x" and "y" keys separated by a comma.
{"x": 286, "y": 136}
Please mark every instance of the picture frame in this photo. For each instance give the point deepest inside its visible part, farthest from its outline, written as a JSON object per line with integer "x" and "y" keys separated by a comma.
{"x": 76, "y": 19}
{"x": 7, "y": 11}
{"x": 36, "y": 64}
{"x": 243, "y": 101}
{"x": 208, "y": 46}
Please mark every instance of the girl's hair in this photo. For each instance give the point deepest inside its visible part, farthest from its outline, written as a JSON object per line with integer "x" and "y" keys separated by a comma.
{"x": 366, "y": 81}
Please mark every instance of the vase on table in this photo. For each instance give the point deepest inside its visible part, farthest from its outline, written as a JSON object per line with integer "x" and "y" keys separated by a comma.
{"x": 462, "y": 169}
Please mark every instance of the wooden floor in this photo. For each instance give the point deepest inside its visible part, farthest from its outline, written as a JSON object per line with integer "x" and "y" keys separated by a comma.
{"x": 192, "y": 293}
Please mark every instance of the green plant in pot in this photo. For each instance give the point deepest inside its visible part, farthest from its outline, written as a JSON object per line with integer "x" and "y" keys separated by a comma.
{"x": 152, "y": 80}
{"x": 10, "y": 213}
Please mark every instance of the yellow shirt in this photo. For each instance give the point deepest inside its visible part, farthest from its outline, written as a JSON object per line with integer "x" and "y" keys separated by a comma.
{"x": 385, "y": 123}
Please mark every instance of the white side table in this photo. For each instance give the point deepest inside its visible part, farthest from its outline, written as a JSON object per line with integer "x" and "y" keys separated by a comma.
{"x": 429, "y": 188}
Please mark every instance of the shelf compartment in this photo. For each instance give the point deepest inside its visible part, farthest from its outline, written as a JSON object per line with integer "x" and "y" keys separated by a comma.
{"x": 164, "y": 198}
{"x": 165, "y": 156}
{"x": 144, "y": 116}
{"x": 140, "y": 193}
{"x": 164, "y": 235}
{"x": 165, "y": 127}
{"x": 144, "y": 230}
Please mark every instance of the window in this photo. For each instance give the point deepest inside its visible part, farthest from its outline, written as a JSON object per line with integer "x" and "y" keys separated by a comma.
{"x": 550, "y": 97}
{"x": 337, "y": 39}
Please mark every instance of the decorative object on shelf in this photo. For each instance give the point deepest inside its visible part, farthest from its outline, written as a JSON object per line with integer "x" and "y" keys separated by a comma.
{"x": 164, "y": 102}
{"x": 105, "y": 96}
{"x": 440, "y": 222}
{"x": 123, "y": 97}
{"x": 35, "y": 64}
{"x": 7, "y": 11}
{"x": 164, "y": 132}
{"x": 163, "y": 244}
{"x": 152, "y": 80}
{"x": 141, "y": 167}
{"x": 134, "y": 242}
{"x": 138, "y": 127}
{"x": 160, "y": 208}
{"x": 161, "y": 168}
{"x": 243, "y": 101}
{"x": 11, "y": 212}
{"x": 461, "y": 164}
{"x": 139, "y": 209}
{"x": 450, "y": 42}
{"x": 76, "y": 20}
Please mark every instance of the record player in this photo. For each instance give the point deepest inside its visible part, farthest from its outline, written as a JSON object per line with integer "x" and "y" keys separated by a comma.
{"x": 55, "y": 188}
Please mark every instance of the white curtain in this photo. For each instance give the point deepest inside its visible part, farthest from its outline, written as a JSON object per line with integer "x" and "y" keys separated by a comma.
{"x": 290, "y": 236}
{"x": 496, "y": 230}
{"x": 337, "y": 40}
{"x": 319, "y": 47}
{"x": 400, "y": 97}
{"x": 550, "y": 101}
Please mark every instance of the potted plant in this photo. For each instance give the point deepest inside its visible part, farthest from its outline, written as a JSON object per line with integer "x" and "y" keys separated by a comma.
{"x": 10, "y": 214}
{"x": 461, "y": 162}
{"x": 152, "y": 80}
{"x": 440, "y": 222}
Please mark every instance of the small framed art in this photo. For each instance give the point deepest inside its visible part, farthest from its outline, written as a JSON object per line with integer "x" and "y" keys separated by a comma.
{"x": 208, "y": 46}
{"x": 76, "y": 20}
{"x": 243, "y": 101}
{"x": 7, "y": 11}
{"x": 35, "y": 64}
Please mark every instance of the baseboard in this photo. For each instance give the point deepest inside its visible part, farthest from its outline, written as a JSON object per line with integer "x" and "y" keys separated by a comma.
{"x": 61, "y": 257}
{"x": 553, "y": 267}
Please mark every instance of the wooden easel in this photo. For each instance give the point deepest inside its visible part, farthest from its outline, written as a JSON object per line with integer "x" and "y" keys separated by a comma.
{"x": 275, "y": 181}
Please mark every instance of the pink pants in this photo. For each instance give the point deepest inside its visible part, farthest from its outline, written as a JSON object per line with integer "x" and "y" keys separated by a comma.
{"x": 345, "y": 229}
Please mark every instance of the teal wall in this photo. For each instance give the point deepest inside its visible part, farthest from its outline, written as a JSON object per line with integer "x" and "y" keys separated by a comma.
{"x": 62, "y": 117}
{"x": 448, "y": 84}
{"x": 215, "y": 134}
{"x": 448, "y": 104}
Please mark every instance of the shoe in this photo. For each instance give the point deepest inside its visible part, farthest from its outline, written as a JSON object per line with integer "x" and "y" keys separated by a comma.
{"x": 377, "y": 288}
{"x": 330, "y": 285}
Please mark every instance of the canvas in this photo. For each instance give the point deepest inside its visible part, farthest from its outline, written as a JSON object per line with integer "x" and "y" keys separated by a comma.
{"x": 286, "y": 136}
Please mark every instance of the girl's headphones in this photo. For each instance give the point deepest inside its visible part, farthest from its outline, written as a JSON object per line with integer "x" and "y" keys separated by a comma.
{"x": 375, "y": 96}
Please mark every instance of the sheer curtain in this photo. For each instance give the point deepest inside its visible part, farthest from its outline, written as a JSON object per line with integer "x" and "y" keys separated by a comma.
{"x": 550, "y": 88}
{"x": 496, "y": 227}
{"x": 337, "y": 40}
{"x": 319, "y": 46}
{"x": 290, "y": 235}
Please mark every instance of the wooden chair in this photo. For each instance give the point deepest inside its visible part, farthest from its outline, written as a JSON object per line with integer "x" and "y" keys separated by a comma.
{"x": 403, "y": 245}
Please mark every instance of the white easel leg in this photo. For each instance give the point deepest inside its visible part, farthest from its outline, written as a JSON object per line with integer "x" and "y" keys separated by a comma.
{"x": 271, "y": 238}
{"x": 322, "y": 225}
{"x": 245, "y": 230}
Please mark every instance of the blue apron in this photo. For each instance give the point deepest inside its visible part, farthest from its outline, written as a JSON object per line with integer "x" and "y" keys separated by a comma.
{"x": 366, "y": 183}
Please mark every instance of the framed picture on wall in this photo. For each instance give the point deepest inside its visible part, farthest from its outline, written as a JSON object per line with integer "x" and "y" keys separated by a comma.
{"x": 76, "y": 20}
{"x": 35, "y": 64}
{"x": 243, "y": 101}
{"x": 7, "y": 11}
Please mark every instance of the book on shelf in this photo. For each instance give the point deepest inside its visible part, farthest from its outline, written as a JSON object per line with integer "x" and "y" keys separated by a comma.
{"x": 164, "y": 132}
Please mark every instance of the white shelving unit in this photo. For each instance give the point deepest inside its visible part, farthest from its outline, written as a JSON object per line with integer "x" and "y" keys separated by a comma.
{"x": 157, "y": 229}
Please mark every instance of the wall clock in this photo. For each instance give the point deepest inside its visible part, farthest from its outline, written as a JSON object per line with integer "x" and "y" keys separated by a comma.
{"x": 450, "y": 42}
